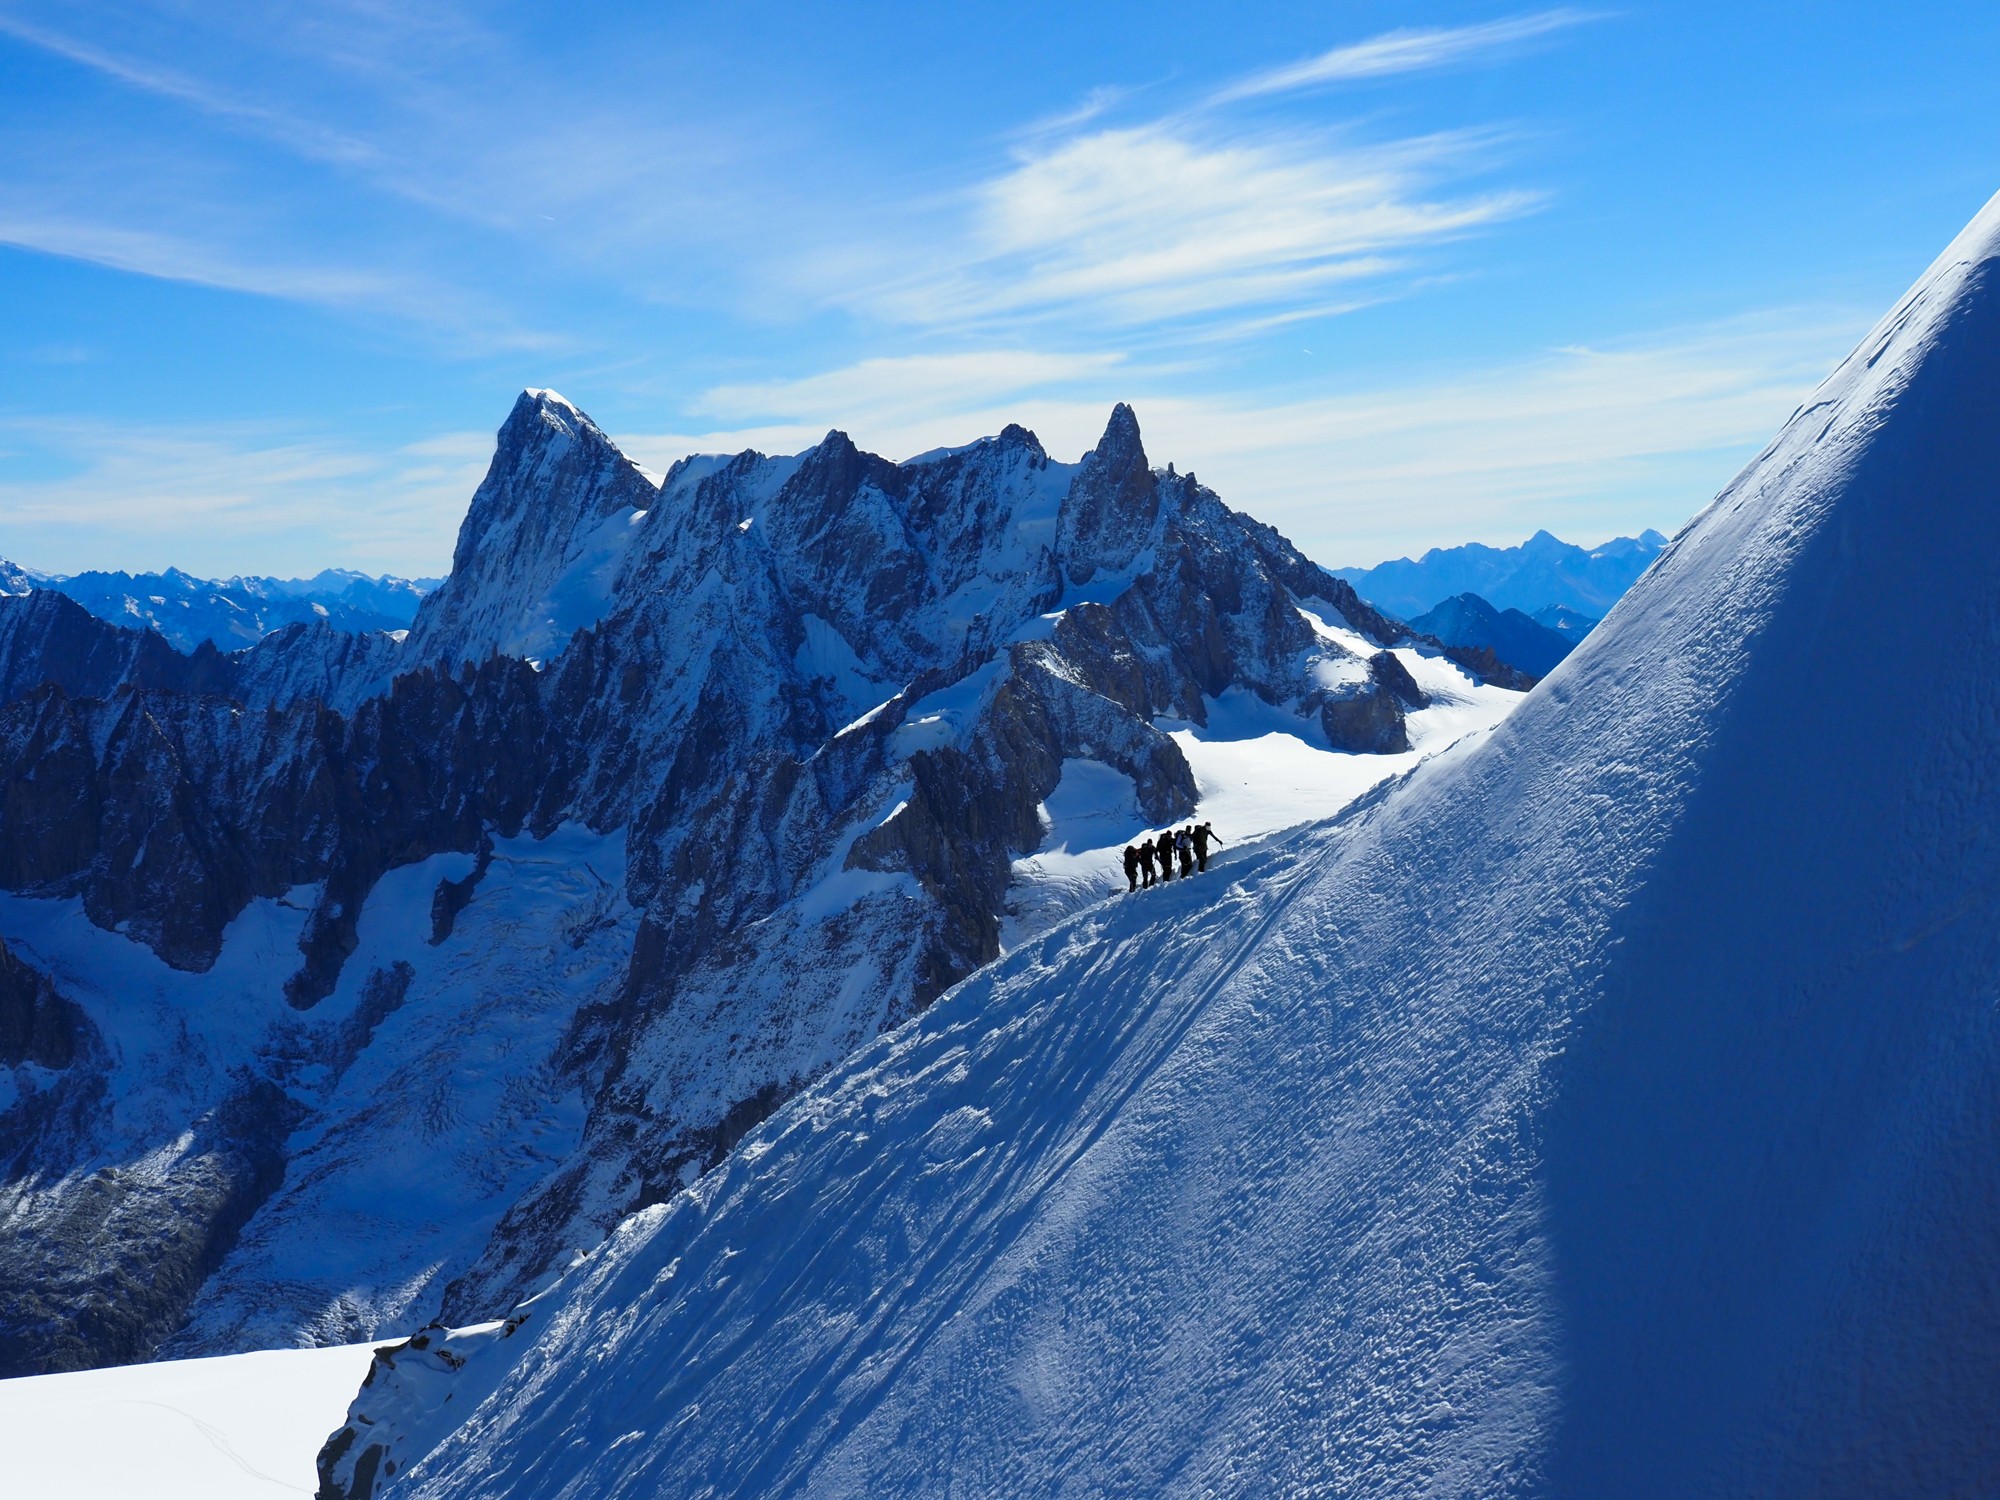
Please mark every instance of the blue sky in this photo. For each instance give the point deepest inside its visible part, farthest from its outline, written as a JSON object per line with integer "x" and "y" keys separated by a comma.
{"x": 1387, "y": 276}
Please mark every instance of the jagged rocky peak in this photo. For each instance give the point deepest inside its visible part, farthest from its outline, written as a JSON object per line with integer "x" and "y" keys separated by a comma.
{"x": 1108, "y": 516}
{"x": 534, "y": 539}
{"x": 782, "y": 729}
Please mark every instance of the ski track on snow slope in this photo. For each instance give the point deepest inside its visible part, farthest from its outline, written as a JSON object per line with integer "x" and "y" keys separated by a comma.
{"x": 1613, "y": 1109}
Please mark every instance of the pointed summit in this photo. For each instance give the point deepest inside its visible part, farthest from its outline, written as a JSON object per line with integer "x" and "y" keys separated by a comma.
{"x": 1107, "y": 517}
{"x": 1016, "y": 436}
{"x": 554, "y": 480}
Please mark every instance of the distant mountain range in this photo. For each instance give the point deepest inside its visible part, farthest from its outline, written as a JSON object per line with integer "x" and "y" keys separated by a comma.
{"x": 236, "y": 612}
{"x": 1544, "y": 572}
{"x": 1515, "y": 638}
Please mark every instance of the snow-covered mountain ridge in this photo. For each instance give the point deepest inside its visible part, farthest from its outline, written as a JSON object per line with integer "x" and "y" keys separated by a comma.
{"x": 231, "y": 613}
{"x": 1612, "y": 1107}
{"x": 394, "y": 974}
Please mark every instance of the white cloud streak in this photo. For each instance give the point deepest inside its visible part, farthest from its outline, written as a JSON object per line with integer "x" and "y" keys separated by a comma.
{"x": 1590, "y": 441}
{"x": 1157, "y": 223}
{"x": 1405, "y": 51}
{"x": 411, "y": 168}
{"x": 1585, "y": 441}
{"x": 231, "y": 498}
{"x": 164, "y": 83}
{"x": 937, "y": 383}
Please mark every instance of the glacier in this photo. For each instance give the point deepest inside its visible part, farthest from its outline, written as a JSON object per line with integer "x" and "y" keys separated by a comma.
{"x": 1608, "y": 1106}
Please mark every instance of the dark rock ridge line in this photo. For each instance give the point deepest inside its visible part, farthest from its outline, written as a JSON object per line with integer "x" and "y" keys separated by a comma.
{"x": 48, "y": 638}
{"x": 776, "y": 676}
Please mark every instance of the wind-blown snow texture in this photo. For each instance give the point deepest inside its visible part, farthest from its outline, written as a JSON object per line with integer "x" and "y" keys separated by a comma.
{"x": 1611, "y": 1108}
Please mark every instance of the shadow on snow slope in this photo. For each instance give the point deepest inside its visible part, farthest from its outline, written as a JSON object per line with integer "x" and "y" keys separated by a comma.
{"x": 1609, "y": 1109}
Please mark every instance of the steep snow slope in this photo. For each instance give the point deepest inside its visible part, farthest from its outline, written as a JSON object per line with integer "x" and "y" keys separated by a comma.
{"x": 1612, "y": 1108}
{"x": 1256, "y": 769}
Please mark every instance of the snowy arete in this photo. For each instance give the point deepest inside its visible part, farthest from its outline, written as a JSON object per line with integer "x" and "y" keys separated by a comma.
{"x": 1609, "y": 1107}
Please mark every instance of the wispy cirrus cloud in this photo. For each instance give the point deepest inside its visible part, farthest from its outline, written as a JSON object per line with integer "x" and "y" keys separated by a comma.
{"x": 406, "y": 164}
{"x": 1171, "y": 221}
{"x": 1411, "y": 50}
{"x": 1202, "y": 213}
{"x": 224, "y": 498}
{"x": 935, "y": 383}
{"x": 1586, "y": 440}
{"x": 164, "y": 82}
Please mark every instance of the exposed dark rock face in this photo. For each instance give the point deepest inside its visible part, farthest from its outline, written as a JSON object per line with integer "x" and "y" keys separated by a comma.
{"x": 1484, "y": 665}
{"x": 47, "y": 639}
{"x": 99, "y": 1268}
{"x": 37, "y": 1025}
{"x": 1367, "y": 721}
{"x": 453, "y": 896}
{"x": 555, "y": 478}
{"x": 825, "y": 699}
{"x": 1394, "y": 678}
{"x": 1108, "y": 514}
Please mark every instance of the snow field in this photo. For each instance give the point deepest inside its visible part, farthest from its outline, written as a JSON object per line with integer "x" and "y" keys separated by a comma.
{"x": 1258, "y": 768}
{"x": 238, "y": 1427}
{"x": 422, "y": 1129}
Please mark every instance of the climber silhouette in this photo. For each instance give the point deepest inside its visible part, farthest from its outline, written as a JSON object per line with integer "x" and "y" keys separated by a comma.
{"x": 1202, "y": 834}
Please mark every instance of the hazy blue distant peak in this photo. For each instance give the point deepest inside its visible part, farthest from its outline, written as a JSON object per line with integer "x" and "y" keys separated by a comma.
{"x": 1517, "y": 639}
{"x": 1572, "y": 625}
{"x": 1541, "y": 573}
{"x": 231, "y": 612}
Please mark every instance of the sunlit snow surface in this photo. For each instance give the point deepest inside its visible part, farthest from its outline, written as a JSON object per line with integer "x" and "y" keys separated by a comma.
{"x": 241, "y": 1427}
{"x": 1610, "y": 1109}
{"x": 1258, "y": 767}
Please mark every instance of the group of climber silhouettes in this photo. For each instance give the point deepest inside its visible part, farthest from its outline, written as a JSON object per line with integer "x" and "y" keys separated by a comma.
{"x": 1151, "y": 859}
